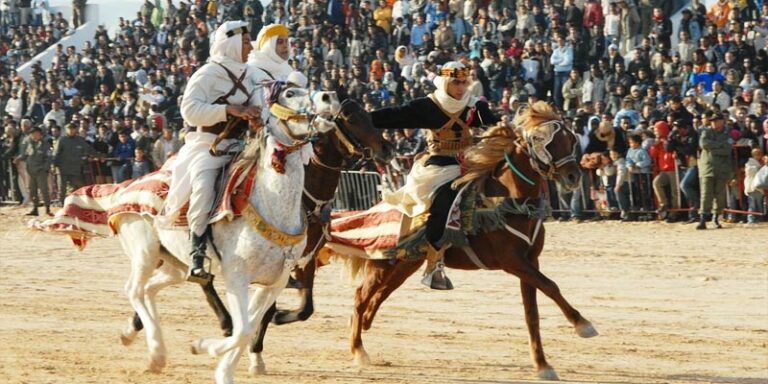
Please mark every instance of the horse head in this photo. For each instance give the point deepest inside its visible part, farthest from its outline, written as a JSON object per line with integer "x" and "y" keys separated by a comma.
{"x": 540, "y": 144}
{"x": 551, "y": 146}
{"x": 301, "y": 113}
{"x": 355, "y": 137}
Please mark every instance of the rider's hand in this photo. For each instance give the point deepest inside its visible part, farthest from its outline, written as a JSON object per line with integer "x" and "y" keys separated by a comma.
{"x": 244, "y": 112}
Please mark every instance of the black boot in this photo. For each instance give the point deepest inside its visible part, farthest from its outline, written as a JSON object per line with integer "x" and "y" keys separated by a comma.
{"x": 702, "y": 222}
{"x": 33, "y": 212}
{"x": 197, "y": 272}
{"x": 48, "y": 210}
{"x": 717, "y": 221}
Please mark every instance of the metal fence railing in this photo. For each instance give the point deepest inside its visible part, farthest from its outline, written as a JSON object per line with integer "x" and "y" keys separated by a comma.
{"x": 358, "y": 190}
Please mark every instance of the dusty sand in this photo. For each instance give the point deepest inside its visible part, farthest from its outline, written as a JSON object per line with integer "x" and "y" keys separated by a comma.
{"x": 671, "y": 304}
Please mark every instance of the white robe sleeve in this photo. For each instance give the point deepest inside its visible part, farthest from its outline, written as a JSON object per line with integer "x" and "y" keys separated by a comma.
{"x": 197, "y": 107}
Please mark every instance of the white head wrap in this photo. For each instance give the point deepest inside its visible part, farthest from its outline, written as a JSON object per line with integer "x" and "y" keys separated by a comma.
{"x": 266, "y": 58}
{"x": 447, "y": 101}
{"x": 225, "y": 47}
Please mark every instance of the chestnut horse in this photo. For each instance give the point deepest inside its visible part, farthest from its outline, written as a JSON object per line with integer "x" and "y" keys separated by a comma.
{"x": 510, "y": 167}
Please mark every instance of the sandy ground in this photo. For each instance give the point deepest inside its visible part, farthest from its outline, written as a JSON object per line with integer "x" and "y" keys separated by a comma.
{"x": 672, "y": 305}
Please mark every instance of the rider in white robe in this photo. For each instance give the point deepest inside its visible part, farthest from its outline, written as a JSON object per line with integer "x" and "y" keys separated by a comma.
{"x": 221, "y": 90}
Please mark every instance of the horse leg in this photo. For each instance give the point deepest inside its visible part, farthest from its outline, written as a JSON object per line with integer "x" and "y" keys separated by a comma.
{"x": 377, "y": 272}
{"x": 395, "y": 278}
{"x": 237, "y": 296}
{"x": 528, "y": 273}
{"x": 167, "y": 274}
{"x": 260, "y": 303}
{"x": 214, "y": 301}
{"x": 544, "y": 370}
{"x": 306, "y": 276}
{"x": 144, "y": 261}
{"x": 261, "y": 311}
{"x": 257, "y": 363}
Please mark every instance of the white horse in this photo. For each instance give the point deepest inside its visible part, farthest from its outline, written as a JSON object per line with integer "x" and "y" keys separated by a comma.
{"x": 159, "y": 255}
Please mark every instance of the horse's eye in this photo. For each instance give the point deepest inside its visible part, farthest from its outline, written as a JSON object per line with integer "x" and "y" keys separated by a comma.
{"x": 289, "y": 94}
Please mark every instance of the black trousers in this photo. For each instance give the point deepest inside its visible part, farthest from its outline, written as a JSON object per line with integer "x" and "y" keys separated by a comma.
{"x": 441, "y": 203}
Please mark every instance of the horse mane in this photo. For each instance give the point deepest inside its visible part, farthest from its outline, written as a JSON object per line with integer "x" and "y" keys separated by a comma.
{"x": 483, "y": 157}
{"x": 252, "y": 151}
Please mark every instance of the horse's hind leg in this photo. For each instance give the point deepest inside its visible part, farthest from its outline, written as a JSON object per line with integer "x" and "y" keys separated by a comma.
{"x": 544, "y": 370}
{"x": 377, "y": 272}
{"x": 394, "y": 279}
{"x": 144, "y": 258}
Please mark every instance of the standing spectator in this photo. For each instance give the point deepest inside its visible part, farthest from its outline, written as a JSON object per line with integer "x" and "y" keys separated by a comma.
{"x": 573, "y": 92}
{"x": 36, "y": 152}
{"x": 562, "y": 61}
{"x": 715, "y": 168}
{"x": 630, "y": 22}
{"x": 78, "y": 12}
{"x": 122, "y": 154}
{"x": 639, "y": 165}
{"x": 621, "y": 188}
{"x": 661, "y": 28}
{"x": 418, "y": 31}
{"x": 70, "y": 158}
{"x": 684, "y": 142}
{"x": 719, "y": 13}
{"x": 140, "y": 165}
{"x": 666, "y": 168}
{"x": 383, "y": 16}
{"x": 165, "y": 147}
{"x": 755, "y": 196}
{"x": 14, "y": 106}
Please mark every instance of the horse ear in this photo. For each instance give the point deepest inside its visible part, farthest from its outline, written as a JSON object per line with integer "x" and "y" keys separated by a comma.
{"x": 274, "y": 91}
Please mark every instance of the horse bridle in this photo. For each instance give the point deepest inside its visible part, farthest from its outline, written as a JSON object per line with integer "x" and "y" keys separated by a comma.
{"x": 350, "y": 143}
{"x": 536, "y": 149}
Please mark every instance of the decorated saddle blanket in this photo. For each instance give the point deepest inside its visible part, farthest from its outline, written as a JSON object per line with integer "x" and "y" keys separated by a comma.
{"x": 95, "y": 210}
{"x": 384, "y": 232}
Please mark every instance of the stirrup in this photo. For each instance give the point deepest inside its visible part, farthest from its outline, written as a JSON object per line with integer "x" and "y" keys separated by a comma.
{"x": 200, "y": 274}
{"x": 437, "y": 279}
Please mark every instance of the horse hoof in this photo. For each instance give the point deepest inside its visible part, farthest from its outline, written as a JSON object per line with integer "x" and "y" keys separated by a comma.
{"x": 156, "y": 364}
{"x": 257, "y": 366}
{"x": 585, "y": 329}
{"x": 196, "y": 347}
{"x": 548, "y": 373}
{"x": 361, "y": 359}
{"x": 127, "y": 338}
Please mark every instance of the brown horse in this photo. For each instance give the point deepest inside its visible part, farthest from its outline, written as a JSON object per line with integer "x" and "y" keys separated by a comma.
{"x": 510, "y": 167}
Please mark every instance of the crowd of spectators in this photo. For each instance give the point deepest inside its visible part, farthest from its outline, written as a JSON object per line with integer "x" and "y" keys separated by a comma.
{"x": 610, "y": 66}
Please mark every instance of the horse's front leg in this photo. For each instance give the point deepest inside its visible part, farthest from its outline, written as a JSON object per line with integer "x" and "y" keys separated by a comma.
{"x": 306, "y": 276}
{"x": 257, "y": 363}
{"x": 237, "y": 296}
{"x": 214, "y": 301}
{"x": 543, "y": 369}
{"x": 261, "y": 311}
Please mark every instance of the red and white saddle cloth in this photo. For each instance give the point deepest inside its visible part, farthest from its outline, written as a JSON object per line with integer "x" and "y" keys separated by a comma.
{"x": 95, "y": 210}
{"x": 385, "y": 232}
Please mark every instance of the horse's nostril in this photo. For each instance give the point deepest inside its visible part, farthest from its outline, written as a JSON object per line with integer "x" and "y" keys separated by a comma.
{"x": 326, "y": 98}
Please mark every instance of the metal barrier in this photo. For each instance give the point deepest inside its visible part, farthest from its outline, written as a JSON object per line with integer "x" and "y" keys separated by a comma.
{"x": 358, "y": 190}
{"x": 587, "y": 195}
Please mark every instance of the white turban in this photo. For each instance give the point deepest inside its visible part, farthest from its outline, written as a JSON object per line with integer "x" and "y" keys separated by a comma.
{"x": 228, "y": 41}
{"x": 264, "y": 54}
{"x": 441, "y": 83}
